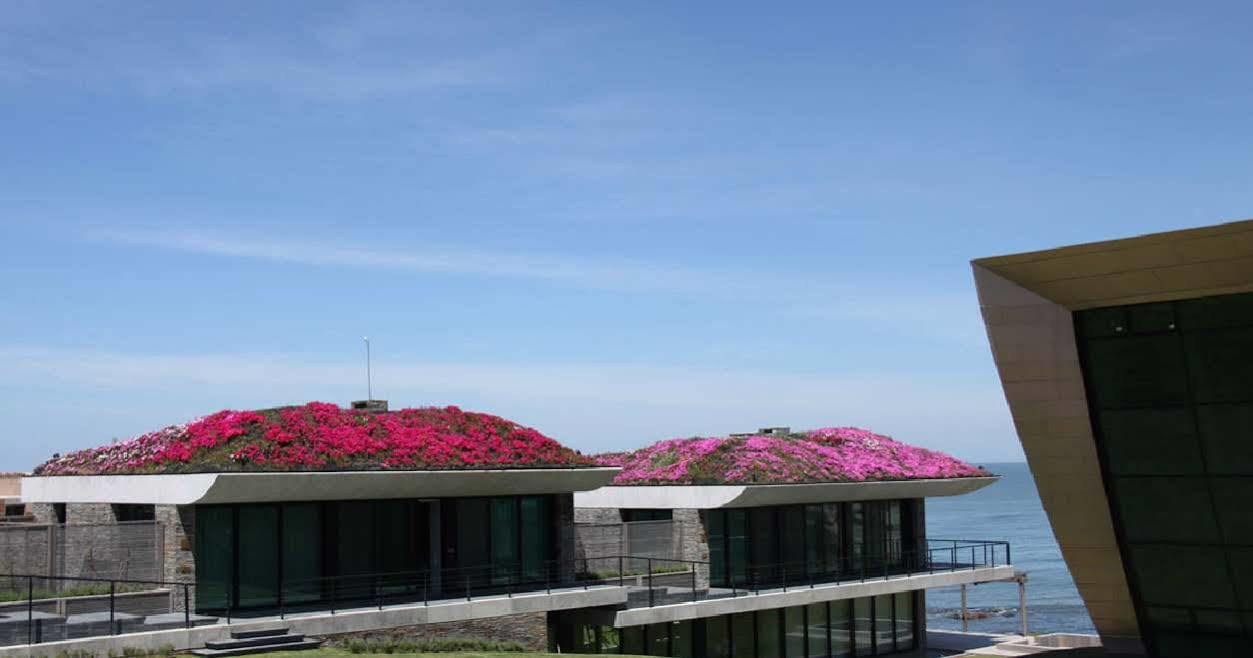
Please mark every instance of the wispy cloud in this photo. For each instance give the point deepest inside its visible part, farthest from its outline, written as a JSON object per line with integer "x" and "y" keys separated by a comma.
{"x": 360, "y": 53}
{"x": 594, "y": 406}
{"x": 948, "y": 316}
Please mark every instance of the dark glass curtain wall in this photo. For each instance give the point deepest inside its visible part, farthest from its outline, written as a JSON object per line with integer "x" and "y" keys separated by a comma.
{"x": 877, "y": 626}
{"x": 764, "y": 545}
{"x": 1170, "y": 391}
{"x": 258, "y": 556}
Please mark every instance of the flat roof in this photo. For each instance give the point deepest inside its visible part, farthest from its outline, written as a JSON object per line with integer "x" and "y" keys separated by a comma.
{"x": 233, "y": 487}
{"x": 717, "y": 496}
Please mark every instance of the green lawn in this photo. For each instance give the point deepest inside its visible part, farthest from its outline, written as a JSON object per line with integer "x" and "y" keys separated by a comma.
{"x": 341, "y": 653}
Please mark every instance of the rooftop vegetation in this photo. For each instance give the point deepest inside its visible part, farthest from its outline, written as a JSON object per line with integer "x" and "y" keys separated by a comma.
{"x": 833, "y": 454}
{"x": 320, "y": 436}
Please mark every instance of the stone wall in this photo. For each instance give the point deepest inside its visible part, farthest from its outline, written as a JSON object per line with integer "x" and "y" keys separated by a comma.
{"x": 599, "y": 515}
{"x": 90, "y": 513}
{"x": 25, "y": 549}
{"x": 692, "y": 539}
{"x": 43, "y": 512}
{"x": 529, "y": 629}
{"x": 178, "y": 545}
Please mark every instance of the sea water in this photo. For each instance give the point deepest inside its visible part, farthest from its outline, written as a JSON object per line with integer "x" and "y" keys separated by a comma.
{"x": 1008, "y": 510}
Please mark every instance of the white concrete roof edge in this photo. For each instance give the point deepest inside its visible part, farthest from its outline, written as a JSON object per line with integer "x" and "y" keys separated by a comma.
{"x": 751, "y": 495}
{"x": 236, "y": 487}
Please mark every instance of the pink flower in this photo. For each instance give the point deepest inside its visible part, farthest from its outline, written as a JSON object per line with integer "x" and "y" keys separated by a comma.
{"x": 322, "y": 436}
{"x": 833, "y": 454}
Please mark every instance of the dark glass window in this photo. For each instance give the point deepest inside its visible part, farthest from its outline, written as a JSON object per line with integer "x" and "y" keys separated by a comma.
{"x": 841, "y": 629}
{"x": 659, "y": 639}
{"x": 884, "y": 631}
{"x": 716, "y": 526}
{"x": 633, "y": 515}
{"x": 863, "y": 628}
{"x": 215, "y": 549}
{"x": 681, "y": 640}
{"x": 58, "y": 510}
{"x": 535, "y": 527}
{"x": 816, "y": 629}
{"x": 794, "y": 541}
{"x": 258, "y": 556}
{"x": 1170, "y": 387}
{"x": 127, "y": 513}
{"x": 905, "y": 621}
{"x": 769, "y": 641}
{"x": 504, "y": 537}
{"x": 717, "y": 638}
{"x": 832, "y": 537}
{"x": 633, "y": 641}
{"x": 742, "y": 635}
{"x": 302, "y": 552}
{"x": 765, "y": 544}
{"x": 794, "y": 632}
{"x": 738, "y": 546}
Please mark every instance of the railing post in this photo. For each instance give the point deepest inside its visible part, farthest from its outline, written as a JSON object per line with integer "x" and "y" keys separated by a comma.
{"x": 425, "y": 580}
{"x": 621, "y": 573}
{"x": 282, "y": 608}
{"x": 587, "y": 571}
{"x": 973, "y": 566}
{"x": 548, "y": 577}
{"x": 650, "y": 582}
{"x": 952, "y": 566}
{"x": 112, "y": 604}
{"x": 1008, "y": 556}
{"x": 693, "y": 582}
{"x": 467, "y": 580}
{"x": 378, "y": 592}
{"x": 334, "y": 593}
{"x": 186, "y": 606}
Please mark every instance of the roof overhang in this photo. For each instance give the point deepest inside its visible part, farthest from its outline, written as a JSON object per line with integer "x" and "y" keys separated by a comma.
{"x": 209, "y": 488}
{"x": 757, "y": 495}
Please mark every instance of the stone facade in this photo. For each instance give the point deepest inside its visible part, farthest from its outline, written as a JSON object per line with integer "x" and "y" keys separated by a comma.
{"x": 43, "y": 512}
{"x": 90, "y": 513}
{"x": 529, "y": 629}
{"x": 597, "y": 515}
{"x": 178, "y": 545}
{"x": 692, "y": 539}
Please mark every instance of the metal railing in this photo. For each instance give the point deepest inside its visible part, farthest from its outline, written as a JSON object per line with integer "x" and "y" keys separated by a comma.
{"x": 659, "y": 585}
{"x": 35, "y": 609}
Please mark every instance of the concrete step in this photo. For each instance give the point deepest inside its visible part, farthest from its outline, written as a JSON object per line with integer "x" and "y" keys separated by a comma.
{"x": 266, "y": 648}
{"x": 265, "y": 632}
{"x": 253, "y": 641}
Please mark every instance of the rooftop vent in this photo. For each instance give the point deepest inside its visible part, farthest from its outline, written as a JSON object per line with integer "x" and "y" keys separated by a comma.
{"x": 766, "y": 431}
{"x": 376, "y": 406}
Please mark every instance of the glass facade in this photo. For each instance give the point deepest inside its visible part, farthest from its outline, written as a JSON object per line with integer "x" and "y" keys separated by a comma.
{"x": 766, "y": 546}
{"x": 885, "y": 625}
{"x": 1170, "y": 389}
{"x": 256, "y": 556}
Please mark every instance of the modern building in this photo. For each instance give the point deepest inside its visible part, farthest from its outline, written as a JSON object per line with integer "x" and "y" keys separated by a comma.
{"x": 439, "y": 522}
{"x": 1128, "y": 369}
{"x": 799, "y": 545}
{"x": 404, "y": 518}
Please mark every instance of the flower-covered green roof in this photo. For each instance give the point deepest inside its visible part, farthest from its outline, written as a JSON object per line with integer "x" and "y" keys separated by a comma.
{"x": 833, "y": 454}
{"x": 321, "y": 436}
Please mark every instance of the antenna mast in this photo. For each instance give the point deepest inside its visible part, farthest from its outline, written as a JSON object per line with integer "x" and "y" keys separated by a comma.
{"x": 369, "y": 388}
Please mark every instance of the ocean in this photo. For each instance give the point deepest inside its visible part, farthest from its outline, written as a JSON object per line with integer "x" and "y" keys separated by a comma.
{"x": 1008, "y": 510}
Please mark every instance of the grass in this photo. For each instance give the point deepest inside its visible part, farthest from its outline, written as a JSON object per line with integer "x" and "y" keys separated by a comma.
{"x": 342, "y": 653}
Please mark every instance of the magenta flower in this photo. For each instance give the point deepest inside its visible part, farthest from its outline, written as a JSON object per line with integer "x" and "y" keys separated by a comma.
{"x": 322, "y": 436}
{"x": 832, "y": 454}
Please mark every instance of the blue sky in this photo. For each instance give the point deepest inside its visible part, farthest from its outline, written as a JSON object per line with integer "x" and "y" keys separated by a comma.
{"x": 616, "y": 223}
